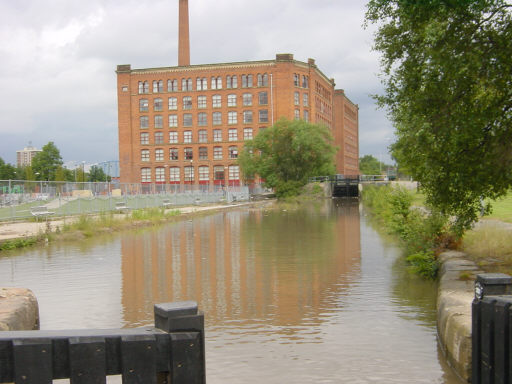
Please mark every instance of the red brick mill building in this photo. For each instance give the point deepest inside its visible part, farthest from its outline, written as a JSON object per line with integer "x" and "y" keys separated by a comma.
{"x": 187, "y": 124}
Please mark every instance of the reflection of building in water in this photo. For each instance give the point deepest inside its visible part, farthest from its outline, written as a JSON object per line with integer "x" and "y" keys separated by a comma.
{"x": 244, "y": 266}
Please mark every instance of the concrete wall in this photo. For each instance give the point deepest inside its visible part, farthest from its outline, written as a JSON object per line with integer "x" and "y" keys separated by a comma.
{"x": 455, "y": 295}
{"x": 19, "y": 310}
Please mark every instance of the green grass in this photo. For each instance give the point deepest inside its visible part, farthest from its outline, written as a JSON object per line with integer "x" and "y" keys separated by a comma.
{"x": 502, "y": 209}
{"x": 22, "y": 210}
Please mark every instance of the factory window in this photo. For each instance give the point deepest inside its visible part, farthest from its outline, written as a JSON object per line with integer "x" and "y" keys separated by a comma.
{"x": 234, "y": 172}
{"x": 246, "y": 81}
{"x": 306, "y": 115}
{"x": 187, "y": 136}
{"x": 201, "y": 84}
{"x": 143, "y": 105}
{"x": 158, "y": 104}
{"x": 305, "y": 99}
{"x": 145, "y": 175}
{"x": 159, "y": 121}
{"x": 216, "y": 101}
{"x": 217, "y": 135}
{"x": 233, "y": 134}
{"x": 187, "y": 102}
{"x": 296, "y": 80}
{"x": 217, "y": 153}
{"x": 202, "y": 119}
{"x": 231, "y": 100}
{"x": 247, "y": 117}
{"x": 247, "y": 99}
{"x": 160, "y": 175}
{"x": 173, "y": 103}
{"x": 158, "y": 86}
{"x": 204, "y": 173}
{"x": 263, "y": 115}
{"x": 144, "y": 121}
{"x": 189, "y": 173}
{"x": 203, "y": 153}
{"x": 159, "y": 137}
{"x": 201, "y": 102}
{"x": 172, "y": 85}
{"x": 159, "y": 154}
{"x": 247, "y": 133}
{"x": 305, "y": 81}
{"x": 263, "y": 98}
{"x": 173, "y": 121}
{"x": 144, "y": 155}
{"x": 218, "y": 172}
{"x": 233, "y": 152}
{"x": 186, "y": 84}
{"x": 216, "y": 82}
{"x": 262, "y": 80}
{"x": 231, "y": 82}
{"x": 144, "y": 138}
{"x": 217, "y": 118}
{"x": 143, "y": 87}
{"x": 203, "y": 136}
{"x": 173, "y": 154}
{"x": 296, "y": 98}
{"x": 173, "y": 137}
{"x": 296, "y": 114}
{"x": 188, "y": 154}
{"x": 187, "y": 119}
{"x": 232, "y": 117}
{"x": 174, "y": 174}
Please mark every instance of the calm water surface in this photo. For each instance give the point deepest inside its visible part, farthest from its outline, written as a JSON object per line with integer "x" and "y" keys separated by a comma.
{"x": 312, "y": 295}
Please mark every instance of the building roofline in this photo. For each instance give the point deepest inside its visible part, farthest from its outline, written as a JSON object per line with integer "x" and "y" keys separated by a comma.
{"x": 280, "y": 58}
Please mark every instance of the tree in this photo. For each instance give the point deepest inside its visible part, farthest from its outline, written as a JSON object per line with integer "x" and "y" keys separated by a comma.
{"x": 447, "y": 77}
{"x": 46, "y": 162}
{"x": 97, "y": 174}
{"x": 7, "y": 171}
{"x": 369, "y": 165}
{"x": 287, "y": 154}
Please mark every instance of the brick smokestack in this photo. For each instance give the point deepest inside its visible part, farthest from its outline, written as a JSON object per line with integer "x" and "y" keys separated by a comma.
{"x": 184, "y": 40}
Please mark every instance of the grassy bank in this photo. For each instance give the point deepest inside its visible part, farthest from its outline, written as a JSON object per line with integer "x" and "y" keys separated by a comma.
{"x": 423, "y": 233}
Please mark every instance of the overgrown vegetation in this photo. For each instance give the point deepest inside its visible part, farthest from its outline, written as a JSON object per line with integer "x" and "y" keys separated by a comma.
{"x": 423, "y": 233}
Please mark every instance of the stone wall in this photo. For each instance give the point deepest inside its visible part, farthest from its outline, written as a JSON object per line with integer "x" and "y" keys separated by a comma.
{"x": 456, "y": 290}
{"x": 19, "y": 310}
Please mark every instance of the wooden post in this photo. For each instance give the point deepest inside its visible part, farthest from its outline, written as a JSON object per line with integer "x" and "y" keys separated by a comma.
{"x": 185, "y": 323}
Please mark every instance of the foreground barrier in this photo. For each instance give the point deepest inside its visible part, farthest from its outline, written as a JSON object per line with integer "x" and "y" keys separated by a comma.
{"x": 491, "y": 329}
{"x": 170, "y": 352}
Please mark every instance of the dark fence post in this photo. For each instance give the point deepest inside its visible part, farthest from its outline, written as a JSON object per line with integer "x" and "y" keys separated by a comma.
{"x": 185, "y": 324}
{"x": 490, "y": 323}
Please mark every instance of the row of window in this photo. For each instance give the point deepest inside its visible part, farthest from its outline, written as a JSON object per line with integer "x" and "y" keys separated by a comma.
{"x": 202, "y": 136}
{"x": 247, "y": 81}
{"x": 297, "y": 80}
{"x": 203, "y": 172}
{"x": 247, "y": 101}
{"x": 202, "y": 119}
{"x": 188, "y": 154}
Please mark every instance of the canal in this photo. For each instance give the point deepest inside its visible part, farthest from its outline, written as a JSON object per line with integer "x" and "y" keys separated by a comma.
{"x": 308, "y": 295}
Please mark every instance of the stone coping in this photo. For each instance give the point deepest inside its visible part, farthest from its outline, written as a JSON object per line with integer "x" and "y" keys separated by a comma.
{"x": 455, "y": 295}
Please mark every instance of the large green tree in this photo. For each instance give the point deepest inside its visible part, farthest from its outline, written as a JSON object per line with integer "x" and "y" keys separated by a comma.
{"x": 287, "y": 154}
{"x": 96, "y": 173}
{"x": 370, "y": 165}
{"x": 448, "y": 88}
{"x": 46, "y": 162}
{"x": 7, "y": 171}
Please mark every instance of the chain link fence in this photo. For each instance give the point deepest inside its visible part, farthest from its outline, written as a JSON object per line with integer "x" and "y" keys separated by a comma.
{"x": 21, "y": 199}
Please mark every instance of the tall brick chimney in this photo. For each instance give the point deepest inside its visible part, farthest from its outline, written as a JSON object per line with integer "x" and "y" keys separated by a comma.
{"x": 184, "y": 40}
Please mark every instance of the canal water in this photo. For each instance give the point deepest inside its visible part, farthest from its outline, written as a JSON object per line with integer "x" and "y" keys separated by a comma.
{"x": 308, "y": 295}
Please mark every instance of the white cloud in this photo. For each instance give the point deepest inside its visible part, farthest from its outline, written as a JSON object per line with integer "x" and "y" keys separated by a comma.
{"x": 59, "y": 58}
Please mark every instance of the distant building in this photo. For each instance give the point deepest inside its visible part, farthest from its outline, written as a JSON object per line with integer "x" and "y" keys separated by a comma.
{"x": 110, "y": 168}
{"x": 24, "y": 157}
{"x": 187, "y": 124}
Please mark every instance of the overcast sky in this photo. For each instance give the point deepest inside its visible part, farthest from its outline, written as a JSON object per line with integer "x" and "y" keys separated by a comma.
{"x": 58, "y": 61}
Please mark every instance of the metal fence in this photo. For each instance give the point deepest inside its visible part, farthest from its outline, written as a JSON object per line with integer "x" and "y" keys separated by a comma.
{"x": 21, "y": 199}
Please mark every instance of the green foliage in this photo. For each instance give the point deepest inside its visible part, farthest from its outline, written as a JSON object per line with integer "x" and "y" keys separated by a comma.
{"x": 7, "y": 171}
{"x": 46, "y": 162}
{"x": 422, "y": 233}
{"x": 97, "y": 174}
{"x": 369, "y": 165}
{"x": 287, "y": 154}
{"x": 447, "y": 75}
{"x": 17, "y": 243}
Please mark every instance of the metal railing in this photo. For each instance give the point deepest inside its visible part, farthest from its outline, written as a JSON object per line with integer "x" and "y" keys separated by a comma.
{"x": 18, "y": 198}
{"x": 173, "y": 351}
